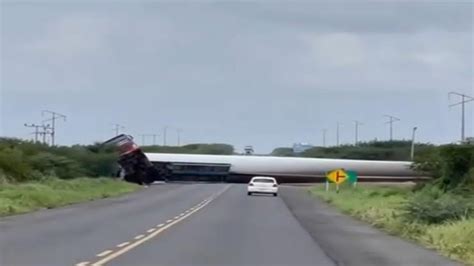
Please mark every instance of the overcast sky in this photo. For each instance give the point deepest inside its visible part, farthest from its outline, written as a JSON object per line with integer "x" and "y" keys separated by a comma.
{"x": 264, "y": 73}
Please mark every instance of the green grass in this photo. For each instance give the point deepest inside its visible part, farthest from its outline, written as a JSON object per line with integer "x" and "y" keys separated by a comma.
{"x": 381, "y": 206}
{"x": 53, "y": 192}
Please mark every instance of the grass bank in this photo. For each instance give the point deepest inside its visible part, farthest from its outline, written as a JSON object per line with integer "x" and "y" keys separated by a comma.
{"x": 382, "y": 207}
{"x": 52, "y": 192}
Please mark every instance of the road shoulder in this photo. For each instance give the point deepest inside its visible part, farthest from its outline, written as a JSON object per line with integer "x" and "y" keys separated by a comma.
{"x": 350, "y": 242}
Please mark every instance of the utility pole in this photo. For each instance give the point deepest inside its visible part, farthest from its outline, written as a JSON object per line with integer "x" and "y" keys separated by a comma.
{"x": 337, "y": 134}
{"x": 117, "y": 128}
{"x": 178, "y": 133}
{"x": 149, "y": 135}
{"x": 165, "y": 128}
{"x": 412, "y": 153}
{"x": 392, "y": 119}
{"x": 37, "y": 131}
{"x": 324, "y": 137}
{"x": 54, "y": 116}
{"x": 464, "y": 99}
{"x": 357, "y": 124}
{"x": 36, "y": 127}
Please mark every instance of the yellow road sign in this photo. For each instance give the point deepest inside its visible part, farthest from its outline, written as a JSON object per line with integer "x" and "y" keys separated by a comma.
{"x": 337, "y": 176}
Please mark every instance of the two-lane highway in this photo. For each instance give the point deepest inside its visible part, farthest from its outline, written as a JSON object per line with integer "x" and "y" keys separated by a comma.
{"x": 200, "y": 224}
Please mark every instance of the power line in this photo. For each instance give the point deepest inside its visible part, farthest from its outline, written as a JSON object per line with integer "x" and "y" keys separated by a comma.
{"x": 54, "y": 117}
{"x": 324, "y": 136}
{"x": 117, "y": 128}
{"x": 464, "y": 99}
{"x": 144, "y": 136}
{"x": 178, "y": 133}
{"x": 38, "y": 132}
{"x": 165, "y": 128}
{"x": 337, "y": 134}
{"x": 392, "y": 119}
{"x": 357, "y": 124}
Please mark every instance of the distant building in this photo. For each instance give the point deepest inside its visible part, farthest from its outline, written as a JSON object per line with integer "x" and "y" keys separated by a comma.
{"x": 248, "y": 150}
{"x": 469, "y": 140}
{"x": 301, "y": 147}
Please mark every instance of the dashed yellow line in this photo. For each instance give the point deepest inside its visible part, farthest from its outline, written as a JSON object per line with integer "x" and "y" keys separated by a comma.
{"x": 139, "y": 236}
{"x": 110, "y": 255}
{"x": 123, "y": 244}
{"x": 107, "y": 252}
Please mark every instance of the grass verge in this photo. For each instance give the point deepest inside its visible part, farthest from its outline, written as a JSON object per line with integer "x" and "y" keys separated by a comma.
{"x": 53, "y": 192}
{"x": 381, "y": 206}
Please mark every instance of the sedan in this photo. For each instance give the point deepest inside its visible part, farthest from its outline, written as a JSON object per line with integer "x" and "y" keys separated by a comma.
{"x": 263, "y": 184}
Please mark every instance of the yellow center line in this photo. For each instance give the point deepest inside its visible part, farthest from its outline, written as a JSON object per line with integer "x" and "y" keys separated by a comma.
{"x": 139, "y": 236}
{"x": 123, "y": 244}
{"x": 154, "y": 234}
{"x": 107, "y": 252}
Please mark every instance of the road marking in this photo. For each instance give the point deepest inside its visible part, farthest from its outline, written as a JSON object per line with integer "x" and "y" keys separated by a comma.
{"x": 151, "y": 230}
{"x": 169, "y": 221}
{"x": 176, "y": 217}
{"x": 160, "y": 225}
{"x": 107, "y": 252}
{"x": 139, "y": 236}
{"x": 84, "y": 263}
{"x": 181, "y": 214}
{"x": 154, "y": 234}
{"x": 123, "y": 244}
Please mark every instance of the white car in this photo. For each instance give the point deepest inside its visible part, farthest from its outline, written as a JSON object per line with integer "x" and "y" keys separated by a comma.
{"x": 263, "y": 184}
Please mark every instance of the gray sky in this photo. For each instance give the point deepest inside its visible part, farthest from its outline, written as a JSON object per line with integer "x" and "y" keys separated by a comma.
{"x": 262, "y": 73}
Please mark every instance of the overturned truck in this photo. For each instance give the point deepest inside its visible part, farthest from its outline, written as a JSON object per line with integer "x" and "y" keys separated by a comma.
{"x": 134, "y": 165}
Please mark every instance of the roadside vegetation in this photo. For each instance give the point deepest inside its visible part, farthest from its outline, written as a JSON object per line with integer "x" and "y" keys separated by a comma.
{"x": 438, "y": 214}
{"x": 35, "y": 176}
{"x": 53, "y": 192}
{"x": 375, "y": 150}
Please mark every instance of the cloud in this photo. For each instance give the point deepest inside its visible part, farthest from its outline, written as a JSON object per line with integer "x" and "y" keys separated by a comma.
{"x": 337, "y": 49}
{"x": 70, "y": 37}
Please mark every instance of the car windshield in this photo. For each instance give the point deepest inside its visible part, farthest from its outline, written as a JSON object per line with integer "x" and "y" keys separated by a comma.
{"x": 263, "y": 180}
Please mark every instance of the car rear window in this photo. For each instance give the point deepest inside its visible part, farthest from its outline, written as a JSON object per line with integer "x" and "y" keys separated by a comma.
{"x": 262, "y": 180}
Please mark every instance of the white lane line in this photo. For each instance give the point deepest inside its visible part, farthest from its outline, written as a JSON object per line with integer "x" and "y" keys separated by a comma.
{"x": 139, "y": 236}
{"x": 169, "y": 221}
{"x": 160, "y": 225}
{"x": 181, "y": 214}
{"x": 151, "y": 230}
{"x": 123, "y": 244}
{"x": 176, "y": 217}
{"x": 107, "y": 252}
{"x": 84, "y": 263}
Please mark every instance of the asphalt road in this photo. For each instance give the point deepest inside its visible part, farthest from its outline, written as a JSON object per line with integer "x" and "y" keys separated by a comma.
{"x": 201, "y": 224}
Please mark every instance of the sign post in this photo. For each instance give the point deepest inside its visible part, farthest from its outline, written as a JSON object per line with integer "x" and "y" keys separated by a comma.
{"x": 339, "y": 176}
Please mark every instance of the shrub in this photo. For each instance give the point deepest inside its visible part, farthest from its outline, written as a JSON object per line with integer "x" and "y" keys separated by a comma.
{"x": 432, "y": 205}
{"x": 13, "y": 165}
{"x": 56, "y": 165}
